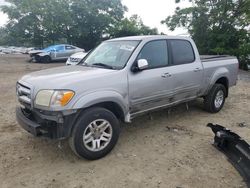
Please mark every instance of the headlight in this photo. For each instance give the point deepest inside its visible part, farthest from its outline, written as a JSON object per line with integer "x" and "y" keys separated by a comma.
{"x": 55, "y": 98}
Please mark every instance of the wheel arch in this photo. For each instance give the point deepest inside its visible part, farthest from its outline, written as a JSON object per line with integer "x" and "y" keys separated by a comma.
{"x": 220, "y": 76}
{"x": 110, "y": 100}
{"x": 112, "y": 106}
{"x": 225, "y": 82}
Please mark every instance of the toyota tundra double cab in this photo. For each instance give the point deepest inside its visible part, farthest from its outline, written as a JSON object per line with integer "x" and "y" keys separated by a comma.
{"x": 119, "y": 80}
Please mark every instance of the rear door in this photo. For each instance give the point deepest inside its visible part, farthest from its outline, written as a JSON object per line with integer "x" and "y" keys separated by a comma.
{"x": 59, "y": 52}
{"x": 69, "y": 50}
{"x": 151, "y": 88}
{"x": 186, "y": 70}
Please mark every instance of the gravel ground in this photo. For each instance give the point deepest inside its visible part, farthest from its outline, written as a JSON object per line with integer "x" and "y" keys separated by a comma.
{"x": 156, "y": 150}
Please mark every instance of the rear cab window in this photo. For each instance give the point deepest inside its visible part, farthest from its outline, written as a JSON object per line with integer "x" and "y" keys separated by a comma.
{"x": 182, "y": 51}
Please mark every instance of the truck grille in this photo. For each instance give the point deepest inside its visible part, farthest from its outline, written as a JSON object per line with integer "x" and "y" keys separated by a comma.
{"x": 23, "y": 95}
{"x": 75, "y": 60}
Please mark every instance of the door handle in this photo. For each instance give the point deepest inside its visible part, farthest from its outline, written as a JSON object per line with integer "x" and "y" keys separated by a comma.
{"x": 165, "y": 75}
{"x": 197, "y": 69}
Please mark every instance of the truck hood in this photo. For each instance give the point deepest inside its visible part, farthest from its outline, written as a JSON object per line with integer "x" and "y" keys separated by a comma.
{"x": 63, "y": 77}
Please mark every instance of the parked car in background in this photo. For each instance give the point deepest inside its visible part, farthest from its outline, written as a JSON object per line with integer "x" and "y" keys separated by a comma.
{"x": 1, "y": 48}
{"x": 8, "y": 50}
{"x": 54, "y": 53}
{"x": 76, "y": 58}
{"x": 14, "y": 50}
{"x": 25, "y": 50}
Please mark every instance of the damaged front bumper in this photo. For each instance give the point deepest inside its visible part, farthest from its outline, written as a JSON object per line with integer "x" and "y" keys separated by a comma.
{"x": 53, "y": 125}
{"x": 235, "y": 148}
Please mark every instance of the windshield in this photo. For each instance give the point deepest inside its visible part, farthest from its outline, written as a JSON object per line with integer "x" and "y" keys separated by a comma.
{"x": 111, "y": 54}
{"x": 49, "y": 48}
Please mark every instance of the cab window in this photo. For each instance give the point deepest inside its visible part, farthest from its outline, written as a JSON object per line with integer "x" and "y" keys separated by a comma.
{"x": 156, "y": 53}
{"x": 182, "y": 51}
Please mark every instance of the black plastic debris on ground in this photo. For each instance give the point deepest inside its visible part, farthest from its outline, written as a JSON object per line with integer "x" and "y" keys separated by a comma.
{"x": 235, "y": 148}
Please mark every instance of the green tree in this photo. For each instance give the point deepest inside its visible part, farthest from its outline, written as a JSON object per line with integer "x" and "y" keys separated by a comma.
{"x": 132, "y": 26}
{"x": 84, "y": 23}
{"x": 218, "y": 27}
{"x": 92, "y": 19}
{"x": 80, "y": 22}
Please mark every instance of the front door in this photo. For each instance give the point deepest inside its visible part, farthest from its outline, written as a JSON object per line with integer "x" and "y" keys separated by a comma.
{"x": 151, "y": 88}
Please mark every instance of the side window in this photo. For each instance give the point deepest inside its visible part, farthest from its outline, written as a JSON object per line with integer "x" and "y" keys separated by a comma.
{"x": 59, "y": 48}
{"x": 182, "y": 51}
{"x": 155, "y": 52}
{"x": 69, "y": 48}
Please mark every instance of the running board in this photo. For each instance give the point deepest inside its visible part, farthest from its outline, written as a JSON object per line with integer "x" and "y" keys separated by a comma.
{"x": 235, "y": 148}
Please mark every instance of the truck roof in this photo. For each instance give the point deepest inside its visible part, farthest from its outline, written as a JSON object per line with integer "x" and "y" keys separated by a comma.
{"x": 149, "y": 37}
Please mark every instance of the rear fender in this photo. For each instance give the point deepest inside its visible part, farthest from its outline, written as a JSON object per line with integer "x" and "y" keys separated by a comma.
{"x": 219, "y": 73}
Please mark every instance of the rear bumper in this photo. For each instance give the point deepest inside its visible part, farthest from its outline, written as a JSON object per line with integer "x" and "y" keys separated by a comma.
{"x": 37, "y": 125}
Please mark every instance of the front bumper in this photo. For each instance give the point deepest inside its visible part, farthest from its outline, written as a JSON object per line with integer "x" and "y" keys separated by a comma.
{"x": 36, "y": 124}
{"x": 27, "y": 124}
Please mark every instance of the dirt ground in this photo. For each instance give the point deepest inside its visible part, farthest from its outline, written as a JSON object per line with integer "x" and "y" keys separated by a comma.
{"x": 160, "y": 150}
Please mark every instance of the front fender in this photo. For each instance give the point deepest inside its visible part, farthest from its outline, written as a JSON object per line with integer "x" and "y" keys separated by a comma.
{"x": 93, "y": 98}
{"x": 43, "y": 54}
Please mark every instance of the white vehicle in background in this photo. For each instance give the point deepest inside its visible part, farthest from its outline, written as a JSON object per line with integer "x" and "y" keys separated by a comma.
{"x": 12, "y": 50}
{"x": 1, "y": 49}
{"x": 76, "y": 58}
{"x": 8, "y": 50}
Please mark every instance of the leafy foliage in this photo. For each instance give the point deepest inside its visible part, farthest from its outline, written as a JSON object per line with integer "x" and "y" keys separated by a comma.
{"x": 80, "y": 22}
{"x": 132, "y": 26}
{"x": 217, "y": 26}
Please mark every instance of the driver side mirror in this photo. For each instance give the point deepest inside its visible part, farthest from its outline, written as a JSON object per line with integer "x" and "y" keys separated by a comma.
{"x": 142, "y": 64}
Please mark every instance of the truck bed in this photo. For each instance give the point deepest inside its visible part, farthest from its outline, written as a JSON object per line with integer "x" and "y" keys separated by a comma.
{"x": 220, "y": 64}
{"x": 205, "y": 58}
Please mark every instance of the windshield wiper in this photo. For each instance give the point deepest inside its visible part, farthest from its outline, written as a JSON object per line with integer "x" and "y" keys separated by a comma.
{"x": 104, "y": 65}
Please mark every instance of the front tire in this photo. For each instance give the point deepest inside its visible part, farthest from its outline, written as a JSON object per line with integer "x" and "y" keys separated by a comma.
{"x": 95, "y": 134}
{"x": 46, "y": 59}
{"x": 215, "y": 99}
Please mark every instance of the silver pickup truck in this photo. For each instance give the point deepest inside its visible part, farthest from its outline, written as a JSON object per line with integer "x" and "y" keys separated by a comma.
{"x": 119, "y": 80}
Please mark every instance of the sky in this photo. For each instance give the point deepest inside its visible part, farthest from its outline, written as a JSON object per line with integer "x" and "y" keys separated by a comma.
{"x": 3, "y": 17}
{"x": 152, "y": 12}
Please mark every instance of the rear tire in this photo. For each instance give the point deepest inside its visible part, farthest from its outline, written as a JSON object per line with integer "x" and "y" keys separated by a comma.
{"x": 215, "y": 99}
{"x": 95, "y": 133}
